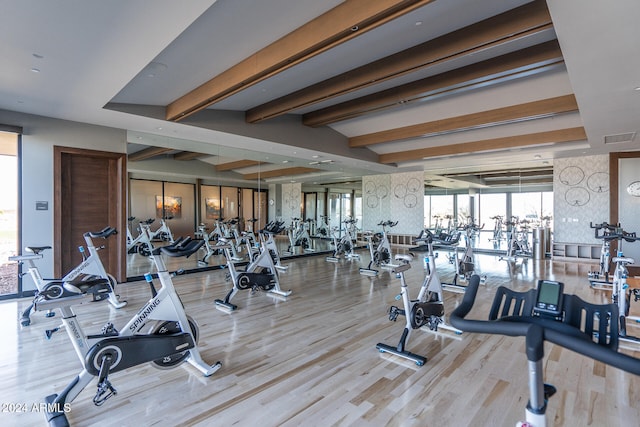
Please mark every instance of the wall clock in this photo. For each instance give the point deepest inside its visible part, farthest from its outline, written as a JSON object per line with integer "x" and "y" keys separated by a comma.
{"x": 634, "y": 189}
{"x": 598, "y": 182}
{"x": 577, "y": 196}
{"x": 571, "y": 175}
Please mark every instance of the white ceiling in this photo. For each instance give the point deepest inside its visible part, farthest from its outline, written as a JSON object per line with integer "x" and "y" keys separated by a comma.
{"x": 93, "y": 53}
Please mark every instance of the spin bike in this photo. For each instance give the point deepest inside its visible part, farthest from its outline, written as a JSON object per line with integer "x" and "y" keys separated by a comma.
{"x": 600, "y": 279}
{"x": 322, "y": 230}
{"x": 163, "y": 232}
{"x": 379, "y": 249}
{"x": 90, "y": 267}
{"x": 298, "y": 234}
{"x": 426, "y": 311}
{"x": 517, "y": 240}
{"x": 260, "y": 275}
{"x": 498, "y": 233}
{"x": 465, "y": 266}
{"x": 142, "y": 243}
{"x": 547, "y": 314}
{"x": 160, "y": 332}
{"x": 621, "y": 293}
{"x": 268, "y": 242}
{"x": 344, "y": 245}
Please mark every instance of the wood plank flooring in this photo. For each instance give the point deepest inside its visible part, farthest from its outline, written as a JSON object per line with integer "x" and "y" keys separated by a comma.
{"x": 310, "y": 360}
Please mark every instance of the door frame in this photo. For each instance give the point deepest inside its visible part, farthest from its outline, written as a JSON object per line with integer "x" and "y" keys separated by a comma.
{"x": 117, "y": 208}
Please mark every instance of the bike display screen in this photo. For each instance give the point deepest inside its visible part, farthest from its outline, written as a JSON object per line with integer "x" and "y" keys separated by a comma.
{"x": 549, "y": 298}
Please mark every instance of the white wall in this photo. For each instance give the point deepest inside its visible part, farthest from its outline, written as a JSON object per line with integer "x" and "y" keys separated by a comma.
{"x": 40, "y": 135}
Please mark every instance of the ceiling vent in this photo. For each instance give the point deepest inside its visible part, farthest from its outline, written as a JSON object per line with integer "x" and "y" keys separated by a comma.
{"x": 619, "y": 138}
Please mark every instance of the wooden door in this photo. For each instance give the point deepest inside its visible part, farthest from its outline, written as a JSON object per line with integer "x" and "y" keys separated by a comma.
{"x": 89, "y": 195}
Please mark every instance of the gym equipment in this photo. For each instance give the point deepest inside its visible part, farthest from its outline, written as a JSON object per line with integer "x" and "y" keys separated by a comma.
{"x": 208, "y": 246}
{"x": 547, "y": 314}
{"x": 344, "y": 245}
{"x": 426, "y": 311}
{"x": 498, "y": 232}
{"x": 600, "y": 279}
{"x": 322, "y": 230}
{"x": 299, "y": 236}
{"x": 465, "y": 267}
{"x": 379, "y": 249}
{"x": 160, "y": 333}
{"x": 260, "y": 275}
{"x": 621, "y": 293}
{"x": 163, "y": 232}
{"x": 517, "y": 239}
{"x": 268, "y": 242}
{"x": 142, "y": 243}
{"x": 90, "y": 267}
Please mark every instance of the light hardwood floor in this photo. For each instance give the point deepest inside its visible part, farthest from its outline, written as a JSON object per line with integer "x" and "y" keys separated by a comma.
{"x": 311, "y": 360}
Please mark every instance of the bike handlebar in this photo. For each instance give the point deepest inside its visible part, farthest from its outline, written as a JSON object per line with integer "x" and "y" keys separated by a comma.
{"x": 104, "y": 233}
{"x": 556, "y": 332}
{"x": 186, "y": 251}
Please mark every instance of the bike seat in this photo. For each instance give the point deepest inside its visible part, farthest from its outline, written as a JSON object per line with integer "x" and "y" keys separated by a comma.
{"x": 403, "y": 257}
{"x": 624, "y": 260}
{"x": 37, "y": 249}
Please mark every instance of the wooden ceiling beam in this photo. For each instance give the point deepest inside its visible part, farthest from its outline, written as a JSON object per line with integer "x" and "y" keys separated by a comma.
{"x": 515, "y": 113}
{"x": 496, "y": 144}
{"x": 340, "y": 24}
{"x": 236, "y": 165}
{"x": 147, "y": 153}
{"x": 278, "y": 173}
{"x": 189, "y": 155}
{"x": 523, "y": 63}
{"x": 512, "y": 25}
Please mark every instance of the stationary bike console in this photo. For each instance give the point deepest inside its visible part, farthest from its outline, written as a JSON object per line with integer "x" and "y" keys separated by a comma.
{"x": 546, "y": 314}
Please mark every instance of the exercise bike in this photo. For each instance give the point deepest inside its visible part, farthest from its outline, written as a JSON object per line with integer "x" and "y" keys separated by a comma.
{"x": 90, "y": 267}
{"x": 621, "y": 293}
{"x": 379, "y": 249}
{"x": 517, "y": 240}
{"x": 498, "y": 233}
{"x": 142, "y": 243}
{"x": 426, "y": 311}
{"x": 298, "y": 234}
{"x": 465, "y": 266}
{"x": 160, "y": 333}
{"x": 344, "y": 246}
{"x": 268, "y": 242}
{"x": 547, "y": 314}
{"x": 322, "y": 230}
{"x": 260, "y": 275}
{"x": 163, "y": 232}
{"x": 600, "y": 279}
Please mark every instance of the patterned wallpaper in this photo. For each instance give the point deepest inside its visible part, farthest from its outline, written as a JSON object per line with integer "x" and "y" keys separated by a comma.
{"x": 397, "y": 197}
{"x": 580, "y": 196}
{"x": 290, "y": 201}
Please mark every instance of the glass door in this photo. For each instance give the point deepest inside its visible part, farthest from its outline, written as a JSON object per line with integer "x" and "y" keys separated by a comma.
{"x": 9, "y": 215}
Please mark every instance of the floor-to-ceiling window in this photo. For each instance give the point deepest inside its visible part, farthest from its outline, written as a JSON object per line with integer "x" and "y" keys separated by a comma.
{"x": 9, "y": 214}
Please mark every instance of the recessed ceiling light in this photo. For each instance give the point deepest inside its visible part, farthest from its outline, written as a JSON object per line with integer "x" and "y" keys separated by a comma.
{"x": 159, "y": 128}
{"x": 35, "y": 70}
{"x": 285, "y": 161}
{"x": 637, "y": 88}
{"x": 537, "y": 156}
{"x": 315, "y": 156}
{"x": 418, "y": 23}
{"x": 37, "y": 55}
